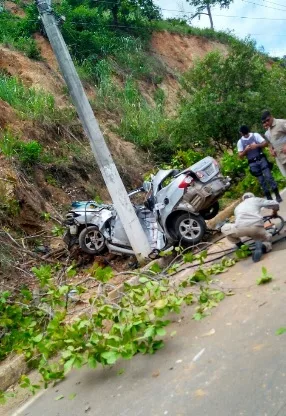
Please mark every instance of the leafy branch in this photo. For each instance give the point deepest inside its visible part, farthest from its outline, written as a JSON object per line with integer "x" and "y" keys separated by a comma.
{"x": 41, "y": 329}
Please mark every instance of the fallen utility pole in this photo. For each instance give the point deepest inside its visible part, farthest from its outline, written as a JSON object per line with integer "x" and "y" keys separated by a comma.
{"x": 117, "y": 191}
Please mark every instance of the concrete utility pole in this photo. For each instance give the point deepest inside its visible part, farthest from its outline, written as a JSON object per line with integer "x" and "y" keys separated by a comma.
{"x": 117, "y": 191}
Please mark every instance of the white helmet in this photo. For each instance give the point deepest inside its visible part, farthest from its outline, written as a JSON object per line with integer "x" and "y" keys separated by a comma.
{"x": 247, "y": 195}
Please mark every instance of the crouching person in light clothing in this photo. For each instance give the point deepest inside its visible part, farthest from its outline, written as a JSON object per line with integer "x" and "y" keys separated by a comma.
{"x": 249, "y": 223}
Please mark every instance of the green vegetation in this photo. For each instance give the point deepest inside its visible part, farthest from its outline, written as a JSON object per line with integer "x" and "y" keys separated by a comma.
{"x": 29, "y": 102}
{"x": 35, "y": 323}
{"x": 222, "y": 95}
{"x": 265, "y": 277}
{"x": 181, "y": 26}
{"x": 110, "y": 43}
{"x": 26, "y": 153}
{"x": 16, "y": 32}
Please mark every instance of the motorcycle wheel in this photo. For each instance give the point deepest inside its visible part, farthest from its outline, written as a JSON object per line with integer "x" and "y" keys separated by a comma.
{"x": 210, "y": 212}
{"x": 91, "y": 240}
{"x": 190, "y": 228}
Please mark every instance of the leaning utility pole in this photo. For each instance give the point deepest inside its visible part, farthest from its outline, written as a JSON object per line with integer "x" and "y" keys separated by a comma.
{"x": 117, "y": 191}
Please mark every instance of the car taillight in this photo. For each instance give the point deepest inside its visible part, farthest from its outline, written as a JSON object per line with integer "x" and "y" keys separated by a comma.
{"x": 186, "y": 182}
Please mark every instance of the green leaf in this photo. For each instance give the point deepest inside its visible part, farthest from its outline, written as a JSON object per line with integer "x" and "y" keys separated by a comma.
{"x": 83, "y": 324}
{"x": 263, "y": 280}
{"x": 155, "y": 268}
{"x": 281, "y": 331}
{"x": 72, "y": 396}
{"x": 68, "y": 364}
{"x": 92, "y": 362}
{"x": 160, "y": 304}
{"x": 264, "y": 270}
{"x": 160, "y": 332}
{"x": 60, "y": 397}
{"x": 157, "y": 345}
{"x": 188, "y": 258}
{"x": 66, "y": 354}
{"x": 71, "y": 271}
{"x": 38, "y": 338}
{"x": 2, "y": 397}
{"x": 150, "y": 332}
{"x": 198, "y": 316}
{"x": 103, "y": 274}
{"x": 110, "y": 356}
{"x": 63, "y": 289}
{"x": 143, "y": 279}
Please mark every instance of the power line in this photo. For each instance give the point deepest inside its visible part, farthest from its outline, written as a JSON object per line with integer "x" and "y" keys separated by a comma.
{"x": 277, "y": 4}
{"x": 221, "y": 15}
{"x": 263, "y": 34}
{"x": 263, "y": 5}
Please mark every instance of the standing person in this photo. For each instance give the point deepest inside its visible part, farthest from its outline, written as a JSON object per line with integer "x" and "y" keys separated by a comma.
{"x": 249, "y": 223}
{"x": 276, "y": 134}
{"x": 250, "y": 146}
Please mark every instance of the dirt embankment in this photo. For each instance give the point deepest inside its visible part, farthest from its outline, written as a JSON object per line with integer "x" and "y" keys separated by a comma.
{"x": 180, "y": 52}
{"x": 177, "y": 53}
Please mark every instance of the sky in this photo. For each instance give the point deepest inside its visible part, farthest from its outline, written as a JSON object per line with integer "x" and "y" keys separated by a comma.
{"x": 263, "y": 20}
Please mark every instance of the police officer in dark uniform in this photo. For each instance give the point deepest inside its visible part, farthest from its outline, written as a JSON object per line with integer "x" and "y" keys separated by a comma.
{"x": 250, "y": 145}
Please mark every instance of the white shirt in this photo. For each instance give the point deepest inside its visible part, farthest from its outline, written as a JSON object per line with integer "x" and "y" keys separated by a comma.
{"x": 257, "y": 136}
{"x": 247, "y": 213}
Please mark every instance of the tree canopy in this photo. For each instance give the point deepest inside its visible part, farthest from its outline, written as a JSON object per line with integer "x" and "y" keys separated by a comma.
{"x": 204, "y": 7}
{"x": 223, "y": 92}
{"x": 123, "y": 12}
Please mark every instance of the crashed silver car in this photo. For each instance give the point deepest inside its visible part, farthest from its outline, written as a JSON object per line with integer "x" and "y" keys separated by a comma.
{"x": 175, "y": 209}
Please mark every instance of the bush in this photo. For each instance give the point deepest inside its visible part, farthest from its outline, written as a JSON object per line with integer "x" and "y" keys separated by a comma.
{"x": 27, "y": 153}
{"x": 17, "y": 32}
{"x": 220, "y": 95}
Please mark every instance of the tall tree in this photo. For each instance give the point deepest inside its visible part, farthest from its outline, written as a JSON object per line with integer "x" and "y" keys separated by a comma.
{"x": 223, "y": 92}
{"x": 204, "y": 7}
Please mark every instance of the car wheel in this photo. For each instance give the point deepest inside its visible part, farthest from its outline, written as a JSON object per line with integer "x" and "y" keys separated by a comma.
{"x": 91, "y": 240}
{"x": 190, "y": 228}
{"x": 210, "y": 212}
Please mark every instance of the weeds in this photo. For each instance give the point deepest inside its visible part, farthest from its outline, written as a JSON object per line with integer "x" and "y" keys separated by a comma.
{"x": 29, "y": 102}
{"x": 25, "y": 44}
{"x": 27, "y": 153}
{"x": 141, "y": 123}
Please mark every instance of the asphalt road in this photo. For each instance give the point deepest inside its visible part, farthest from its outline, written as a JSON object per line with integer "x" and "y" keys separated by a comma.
{"x": 229, "y": 364}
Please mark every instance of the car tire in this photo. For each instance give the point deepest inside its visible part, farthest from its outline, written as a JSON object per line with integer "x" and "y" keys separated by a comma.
{"x": 190, "y": 228}
{"x": 92, "y": 241}
{"x": 210, "y": 212}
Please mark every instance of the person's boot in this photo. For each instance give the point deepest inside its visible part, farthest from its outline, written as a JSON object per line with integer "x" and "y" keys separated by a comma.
{"x": 268, "y": 195}
{"x": 278, "y": 196}
{"x": 259, "y": 249}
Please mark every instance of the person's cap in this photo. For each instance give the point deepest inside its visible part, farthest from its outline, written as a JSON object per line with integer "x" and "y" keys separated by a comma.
{"x": 247, "y": 195}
